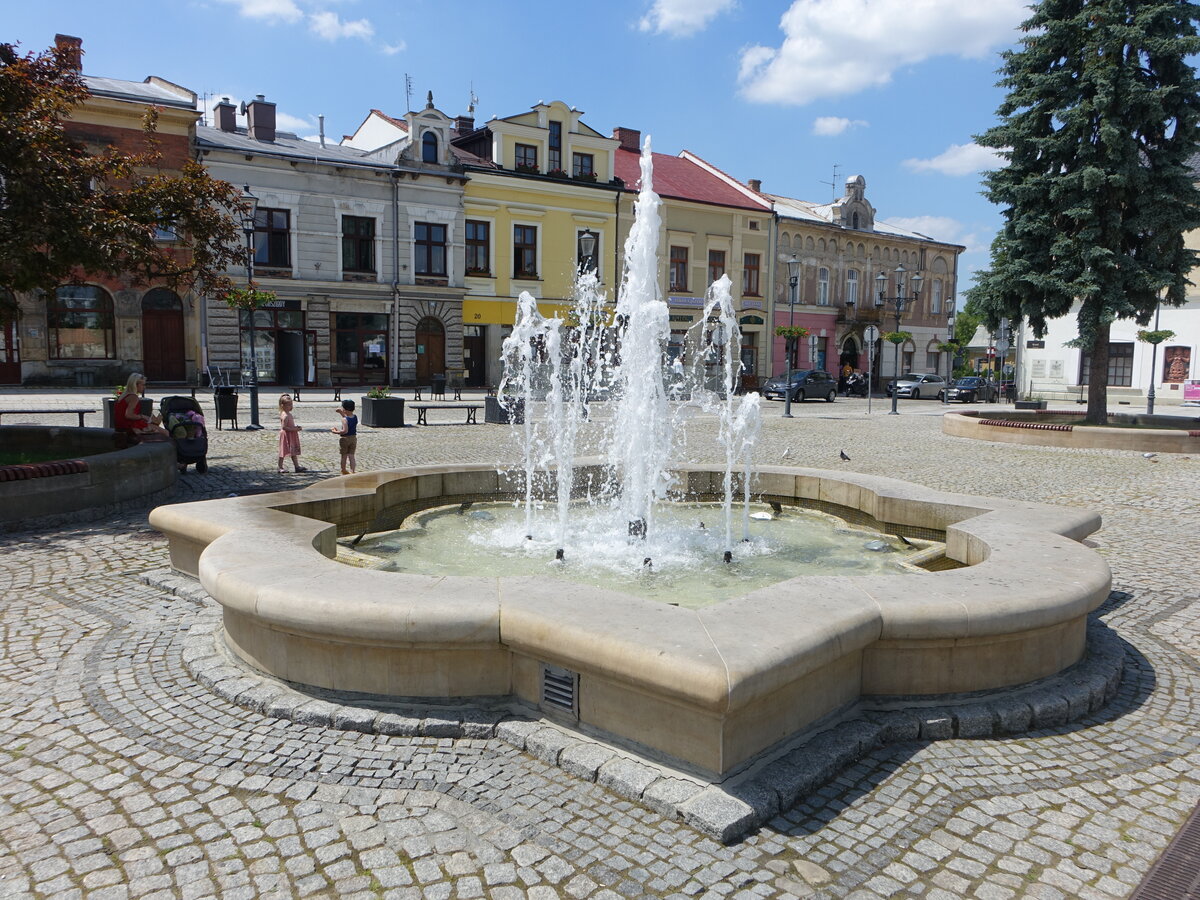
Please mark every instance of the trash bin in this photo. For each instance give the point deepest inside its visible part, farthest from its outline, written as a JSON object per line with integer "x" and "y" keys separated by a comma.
{"x": 225, "y": 401}
{"x": 511, "y": 411}
{"x": 439, "y": 386}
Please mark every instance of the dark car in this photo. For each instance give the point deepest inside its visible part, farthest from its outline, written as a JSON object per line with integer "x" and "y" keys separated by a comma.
{"x": 970, "y": 389}
{"x": 807, "y": 384}
{"x": 917, "y": 385}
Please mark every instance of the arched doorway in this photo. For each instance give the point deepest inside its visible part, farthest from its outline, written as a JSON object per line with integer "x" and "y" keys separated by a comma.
{"x": 10, "y": 355}
{"x": 431, "y": 349}
{"x": 162, "y": 336}
{"x": 849, "y": 354}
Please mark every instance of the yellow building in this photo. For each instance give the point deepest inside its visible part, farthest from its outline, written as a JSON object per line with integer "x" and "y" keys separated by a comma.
{"x": 539, "y": 182}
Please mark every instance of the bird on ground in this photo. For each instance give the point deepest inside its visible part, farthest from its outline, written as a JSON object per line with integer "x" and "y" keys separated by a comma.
{"x": 842, "y": 454}
{"x": 787, "y": 452}
{"x": 1149, "y": 455}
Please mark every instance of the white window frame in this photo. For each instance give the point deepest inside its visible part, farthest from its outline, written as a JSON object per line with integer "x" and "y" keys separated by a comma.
{"x": 822, "y": 286}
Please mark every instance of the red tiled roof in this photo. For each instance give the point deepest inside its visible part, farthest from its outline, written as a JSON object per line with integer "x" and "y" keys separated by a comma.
{"x": 399, "y": 123}
{"x": 682, "y": 179}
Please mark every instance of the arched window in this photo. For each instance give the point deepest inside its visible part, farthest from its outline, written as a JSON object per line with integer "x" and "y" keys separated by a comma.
{"x": 161, "y": 298}
{"x": 822, "y": 287}
{"x": 935, "y": 297}
{"x": 80, "y": 320}
{"x": 852, "y": 287}
{"x": 429, "y": 147}
{"x": 854, "y": 221}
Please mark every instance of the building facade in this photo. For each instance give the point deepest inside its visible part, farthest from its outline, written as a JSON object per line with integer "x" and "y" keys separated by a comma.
{"x": 362, "y": 250}
{"x": 99, "y": 329}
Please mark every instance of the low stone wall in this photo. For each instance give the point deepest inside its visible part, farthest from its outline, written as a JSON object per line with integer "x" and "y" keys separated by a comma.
{"x": 93, "y": 478}
{"x": 1155, "y": 434}
{"x": 709, "y": 688}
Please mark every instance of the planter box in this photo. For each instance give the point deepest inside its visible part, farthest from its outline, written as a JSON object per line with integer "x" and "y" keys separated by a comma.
{"x": 383, "y": 412}
{"x": 147, "y": 409}
{"x": 496, "y": 413}
{"x": 1030, "y": 404}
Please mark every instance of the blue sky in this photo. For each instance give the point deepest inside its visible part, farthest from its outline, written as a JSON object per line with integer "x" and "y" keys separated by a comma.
{"x": 780, "y": 90}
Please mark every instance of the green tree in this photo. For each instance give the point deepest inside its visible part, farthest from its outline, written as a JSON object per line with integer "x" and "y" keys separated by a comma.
{"x": 1101, "y": 118}
{"x": 67, "y": 210}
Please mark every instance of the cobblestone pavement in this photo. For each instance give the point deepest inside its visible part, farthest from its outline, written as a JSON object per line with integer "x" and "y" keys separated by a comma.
{"x": 121, "y": 776}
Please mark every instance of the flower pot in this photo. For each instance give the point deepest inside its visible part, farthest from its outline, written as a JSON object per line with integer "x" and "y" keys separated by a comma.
{"x": 383, "y": 412}
{"x": 1030, "y": 404}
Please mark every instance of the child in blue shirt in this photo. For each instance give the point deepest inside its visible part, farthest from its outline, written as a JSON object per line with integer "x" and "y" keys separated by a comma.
{"x": 348, "y": 442}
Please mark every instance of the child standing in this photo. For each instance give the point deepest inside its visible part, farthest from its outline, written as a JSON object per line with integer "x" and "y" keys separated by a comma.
{"x": 289, "y": 435}
{"x": 348, "y": 442}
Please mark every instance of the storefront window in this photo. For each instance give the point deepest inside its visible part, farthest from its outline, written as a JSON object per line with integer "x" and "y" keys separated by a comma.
{"x": 269, "y": 324}
{"x": 360, "y": 342}
{"x": 80, "y": 322}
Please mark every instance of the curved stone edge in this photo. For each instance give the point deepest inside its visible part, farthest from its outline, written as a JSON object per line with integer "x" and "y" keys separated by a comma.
{"x": 1158, "y": 440}
{"x": 725, "y": 811}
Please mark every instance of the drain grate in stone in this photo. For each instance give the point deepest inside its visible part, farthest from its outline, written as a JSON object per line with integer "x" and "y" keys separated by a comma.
{"x": 1176, "y": 874}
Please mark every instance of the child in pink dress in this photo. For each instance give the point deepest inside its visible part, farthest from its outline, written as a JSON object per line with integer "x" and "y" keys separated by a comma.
{"x": 289, "y": 435}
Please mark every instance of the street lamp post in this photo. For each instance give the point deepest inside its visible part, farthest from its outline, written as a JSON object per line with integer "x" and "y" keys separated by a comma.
{"x": 587, "y": 245}
{"x": 790, "y": 342}
{"x": 1153, "y": 365}
{"x": 949, "y": 354}
{"x": 899, "y": 302}
{"x": 248, "y": 216}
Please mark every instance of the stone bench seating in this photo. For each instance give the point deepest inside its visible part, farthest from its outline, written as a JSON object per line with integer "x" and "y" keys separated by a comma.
{"x": 79, "y": 411}
{"x": 709, "y": 687}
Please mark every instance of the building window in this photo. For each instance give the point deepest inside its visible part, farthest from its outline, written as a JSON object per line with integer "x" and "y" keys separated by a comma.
{"x": 525, "y": 251}
{"x": 852, "y": 287}
{"x": 429, "y": 147}
{"x": 907, "y": 360}
{"x": 716, "y": 265}
{"x": 749, "y": 353}
{"x": 358, "y": 244}
{"x": 1120, "y": 365}
{"x": 527, "y": 157}
{"x": 679, "y": 269}
{"x": 581, "y": 261}
{"x": 822, "y": 287}
{"x": 933, "y": 361}
{"x": 583, "y": 165}
{"x": 271, "y": 242}
{"x": 751, "y": 267}
{"x": 935, "y": 297}
{"x": 430, "y": 249}
{"x": 1176, "y": 363}
{"x": 854, "y": 221}
{"x": 554, "y": 151}
{"x": 359, "y": 342}
{"x": 479, "y": 247}
{"x": 817, "y": 352}
{"x": 754, "y": 224}
{"x": 80, "y": 321}
{"x": 268, "y": 323}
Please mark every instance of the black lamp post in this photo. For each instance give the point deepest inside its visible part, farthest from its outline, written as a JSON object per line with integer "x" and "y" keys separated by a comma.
{"x": 587, "y": 246}
{"x": 250, "y": 208}
{"x": 898, "y": 302}
{"x": 1153, "y": 365}
{"x": 949, "y": 353}
{"x": 790, "y": 342}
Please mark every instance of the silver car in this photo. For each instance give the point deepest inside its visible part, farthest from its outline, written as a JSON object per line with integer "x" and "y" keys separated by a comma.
{"x": 915, "y": 386}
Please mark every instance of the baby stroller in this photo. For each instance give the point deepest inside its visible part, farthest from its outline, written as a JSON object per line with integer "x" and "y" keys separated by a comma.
{"x": 184, "y": 421}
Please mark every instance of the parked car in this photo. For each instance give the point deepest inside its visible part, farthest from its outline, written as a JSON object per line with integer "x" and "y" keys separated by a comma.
{"x": 807, "y": 384}
{"x": 917, "y": 385}
{"x": 970, "y": 389}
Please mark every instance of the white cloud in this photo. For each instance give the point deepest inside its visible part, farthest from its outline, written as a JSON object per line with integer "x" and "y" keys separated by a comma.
{"x": 295, "y": 124}
{"x": 833, "y": 48}
{"x": 283, "y": 121}
{"x": 393, "y": 49}
{"x": 940, "y": 228}
{"x": 958, "y": 159}
{"x": 331, "y": 27}
{"x": 832, "y": 126}
{"x": 271, "y": 11}
{"x": 682, "y": 18}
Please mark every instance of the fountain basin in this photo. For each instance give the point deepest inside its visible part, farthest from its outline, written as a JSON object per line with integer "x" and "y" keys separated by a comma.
{"x": 709, "y": 689}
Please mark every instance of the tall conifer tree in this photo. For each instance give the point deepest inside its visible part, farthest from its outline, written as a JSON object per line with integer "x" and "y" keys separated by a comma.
{"x": 1101, "y": 121}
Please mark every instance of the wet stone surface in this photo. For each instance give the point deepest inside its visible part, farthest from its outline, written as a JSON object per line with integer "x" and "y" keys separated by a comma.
{"x": 123, "y": 775}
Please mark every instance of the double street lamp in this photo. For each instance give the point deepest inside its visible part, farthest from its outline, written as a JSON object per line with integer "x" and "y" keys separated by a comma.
{"x": 791, "y": 342}
{"x": 899, "y": 302}
{"x": 249, "y": 211}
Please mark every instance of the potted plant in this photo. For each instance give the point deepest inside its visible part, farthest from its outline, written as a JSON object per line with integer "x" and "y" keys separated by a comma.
{"x": 556, "y": 173}
{"x": 525, "y": 169}
{"x": 585, "y": 176}
{"x": 1030, "y": 402}
{"x": 381, "y": 410}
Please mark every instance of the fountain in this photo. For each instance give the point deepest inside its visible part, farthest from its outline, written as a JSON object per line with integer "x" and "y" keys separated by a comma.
{"x": 706, "y": 690}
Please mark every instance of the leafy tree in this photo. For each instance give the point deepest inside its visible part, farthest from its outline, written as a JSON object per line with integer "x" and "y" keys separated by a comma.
{"x": 1101, "y": 118}
{"x": 67, "y": 211}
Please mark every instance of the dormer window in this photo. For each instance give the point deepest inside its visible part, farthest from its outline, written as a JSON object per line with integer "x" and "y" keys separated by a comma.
{"x": 429, "y": 147}
{"x": 854, "y": 222}
{"x": 526, "y": 158}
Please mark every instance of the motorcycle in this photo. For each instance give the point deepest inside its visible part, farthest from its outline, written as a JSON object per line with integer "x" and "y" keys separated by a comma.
{"x": 856, "y": 385}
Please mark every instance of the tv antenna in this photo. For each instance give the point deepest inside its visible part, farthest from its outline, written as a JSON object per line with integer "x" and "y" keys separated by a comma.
{"x": 833, "y": 184}
{"x": 474, "y": 102}
{"x": 407, "y": 92}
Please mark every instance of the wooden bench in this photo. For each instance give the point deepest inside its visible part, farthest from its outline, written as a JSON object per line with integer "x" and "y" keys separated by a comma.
{"x": 423, "y": 409}
{"x": 47, "y": 412}
{"x": 434, "y": 394}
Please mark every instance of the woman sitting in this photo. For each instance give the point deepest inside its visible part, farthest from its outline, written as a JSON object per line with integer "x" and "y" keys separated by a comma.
{"x": 127, "y": 410}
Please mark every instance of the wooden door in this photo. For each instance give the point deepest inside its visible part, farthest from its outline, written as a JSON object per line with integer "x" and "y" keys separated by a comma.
{"x": 10, "y": 358}
{"x": 162, "y": 336}
{"x": 474, "y": 346}
{"x": 431, "y": 349}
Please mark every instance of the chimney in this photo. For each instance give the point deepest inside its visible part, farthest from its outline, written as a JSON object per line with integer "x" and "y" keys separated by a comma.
{"x": 71, "y": 49}
{"x": 260, "y": 119}
{"x": 226, "y": 115}
{"x": 464, "y": 124}
{"x": 755, "y": 184}
{"x": 321, "y": 125}
{"x": 630, "y": 139}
